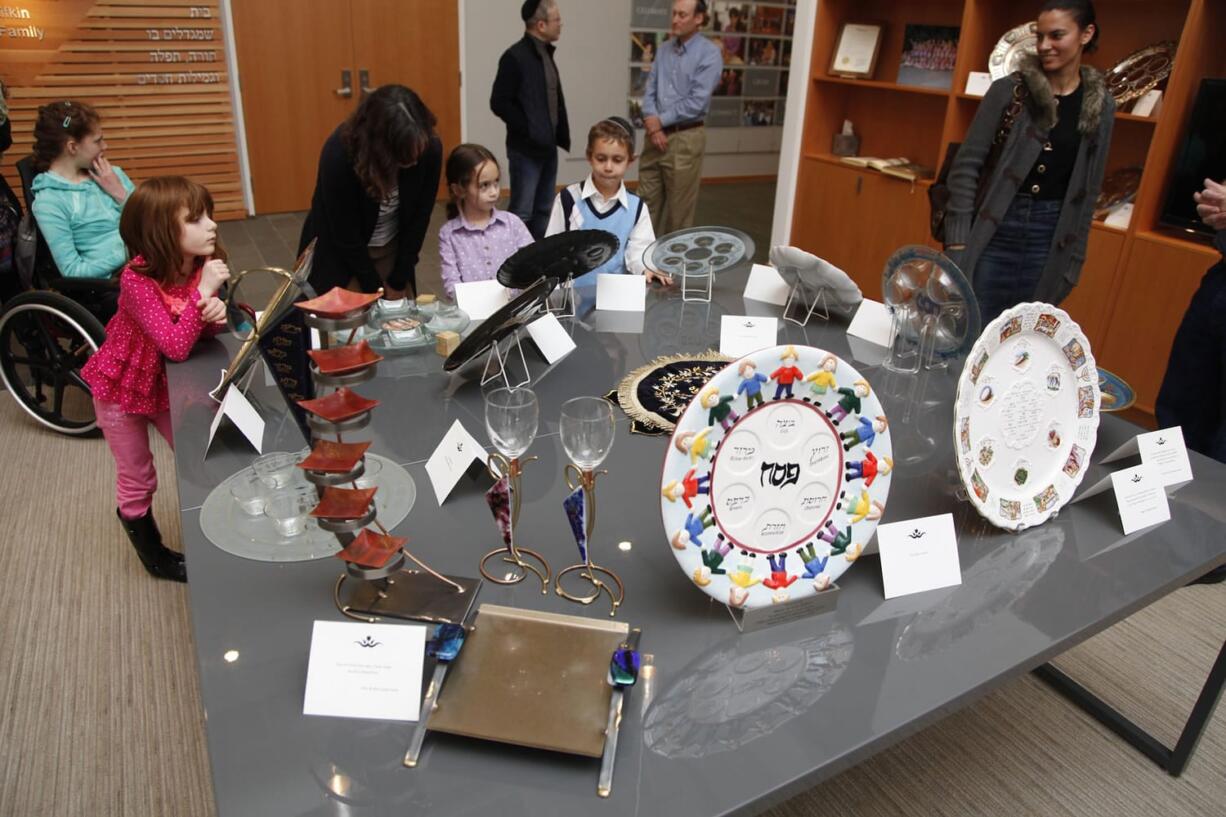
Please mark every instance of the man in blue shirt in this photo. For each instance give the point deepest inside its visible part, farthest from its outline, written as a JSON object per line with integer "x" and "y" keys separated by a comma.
{"x": 675, "y": 103}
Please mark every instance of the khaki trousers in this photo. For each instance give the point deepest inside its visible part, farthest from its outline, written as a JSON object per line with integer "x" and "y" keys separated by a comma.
{"x": 668, "y": 181}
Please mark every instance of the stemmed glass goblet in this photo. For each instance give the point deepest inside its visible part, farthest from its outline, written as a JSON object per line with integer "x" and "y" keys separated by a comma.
{"x": 511, "y": 418}
{"x": 587, "y": 430}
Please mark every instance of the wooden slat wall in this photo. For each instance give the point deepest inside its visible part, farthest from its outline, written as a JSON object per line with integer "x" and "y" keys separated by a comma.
{"x": 156, "y": 72}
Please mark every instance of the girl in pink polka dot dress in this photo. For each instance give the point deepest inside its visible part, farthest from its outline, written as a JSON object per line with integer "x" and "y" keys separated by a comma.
{"x": 167, "y": 301}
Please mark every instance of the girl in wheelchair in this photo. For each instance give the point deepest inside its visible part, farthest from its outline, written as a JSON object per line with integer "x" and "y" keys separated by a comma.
{"x": 78, "y": 193}
{"x": 167, "y": 301}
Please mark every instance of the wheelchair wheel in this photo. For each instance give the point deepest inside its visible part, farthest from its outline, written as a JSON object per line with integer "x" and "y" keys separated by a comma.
{"x": 45, "y": 339}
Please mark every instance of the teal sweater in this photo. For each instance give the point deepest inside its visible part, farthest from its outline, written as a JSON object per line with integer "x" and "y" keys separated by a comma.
{"x": 81, "y": 224}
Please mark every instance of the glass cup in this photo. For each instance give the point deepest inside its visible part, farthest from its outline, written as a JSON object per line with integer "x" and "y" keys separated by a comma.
{"x": 250, "y": 492}
{"x": 276, "y": 468}
{"x": 587, "y": 429}
{"x": 289, "y": 510}
{"x": 511, "y": 417}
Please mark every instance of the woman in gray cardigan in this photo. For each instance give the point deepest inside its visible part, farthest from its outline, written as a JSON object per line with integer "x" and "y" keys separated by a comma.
{"x": 1027, "y": 238}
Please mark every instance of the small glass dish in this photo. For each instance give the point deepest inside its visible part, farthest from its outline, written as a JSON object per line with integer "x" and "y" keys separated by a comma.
{"x": 370, "y": 476}
{"x": 289, "y": 510}
{"x": 276, "y": 468}
{"x": 249, "y": 492}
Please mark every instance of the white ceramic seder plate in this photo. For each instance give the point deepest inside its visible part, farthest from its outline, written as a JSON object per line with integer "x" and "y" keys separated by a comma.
{"x": 1015, "y": 42}
{"x": 777, "y": 508}
{"x": 1026, "y": 415}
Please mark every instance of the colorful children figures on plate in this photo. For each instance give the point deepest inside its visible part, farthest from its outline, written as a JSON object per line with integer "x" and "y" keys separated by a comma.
{"x": 823, "y": 379}
{"x": 868, "y": 468}
{"x": 865, "y": 432}
{"x": 751, "y": 383}
{"x": 787, "y": 374}
{"x": 850, "y": 401}
{"x": 719, "y": 408}
{"x": 786, "y": 495}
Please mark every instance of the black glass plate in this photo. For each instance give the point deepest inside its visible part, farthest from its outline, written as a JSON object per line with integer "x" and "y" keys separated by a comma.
{"x": 558, "y": 256}
{"x": 497, "y": 326}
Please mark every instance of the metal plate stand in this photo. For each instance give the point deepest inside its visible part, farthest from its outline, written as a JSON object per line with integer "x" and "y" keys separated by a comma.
{"x": 759, "y": 618}
{"x": 496, "y": 363}
{"x": 798, "y": 294}
{"x": 697, "y": 286}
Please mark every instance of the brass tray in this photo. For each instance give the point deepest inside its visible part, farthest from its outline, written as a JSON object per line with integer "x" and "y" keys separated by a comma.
{"x": 1140, "y": 72}
{"x": 532, "y": 679}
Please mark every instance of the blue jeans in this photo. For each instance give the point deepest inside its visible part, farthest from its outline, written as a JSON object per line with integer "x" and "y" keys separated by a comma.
{"x": 1193, "y": 393}
{"x": 1007, "y": 272}
{"x": 532, "y": 188}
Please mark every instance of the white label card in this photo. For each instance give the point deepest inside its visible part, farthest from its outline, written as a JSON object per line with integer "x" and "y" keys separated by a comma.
{"x": 452, "y": 459}
{"x": 873, "y": 323}
{"x": 740, "y": 334}
{"x": 619, "y": 292}
{"x": 918, "y": 555}
{"x": 978, "y": 82}
{"x": 365, "y": 671}
{"x": 238, "y": 408}
{"x": 550, "y": 337}
{"x": 767, "y": 285}
{"x": 480, "y": 299}
{"x": 1141, "y": 497}
{"x": 1164, "y": 449}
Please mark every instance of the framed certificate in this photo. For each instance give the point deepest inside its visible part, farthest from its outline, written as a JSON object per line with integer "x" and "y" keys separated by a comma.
{"x": 855, "y": 53}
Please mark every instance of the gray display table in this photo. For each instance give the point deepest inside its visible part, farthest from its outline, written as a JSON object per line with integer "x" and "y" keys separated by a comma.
{"x": 724, "y": 723}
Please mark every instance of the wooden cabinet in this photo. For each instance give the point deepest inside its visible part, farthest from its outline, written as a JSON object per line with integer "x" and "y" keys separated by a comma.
{"x": 1136, "y": 283}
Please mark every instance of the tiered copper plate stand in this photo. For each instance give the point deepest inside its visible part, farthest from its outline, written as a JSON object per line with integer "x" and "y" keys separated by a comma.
{"x": 375, "y": 559}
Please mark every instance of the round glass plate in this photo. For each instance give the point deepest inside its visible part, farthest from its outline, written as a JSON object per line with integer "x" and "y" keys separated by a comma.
{"x": 774, "y": 502}
{"x": 1011, "y": 47}
{"x": 255, "y": 537}
{"x": 696, "y": 250}
{"x": 1026, "y": 415}
{"x": 921, "y": 285}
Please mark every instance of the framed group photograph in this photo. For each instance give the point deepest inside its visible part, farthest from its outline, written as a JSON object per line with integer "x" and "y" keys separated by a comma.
{"x": 928, "y": 56}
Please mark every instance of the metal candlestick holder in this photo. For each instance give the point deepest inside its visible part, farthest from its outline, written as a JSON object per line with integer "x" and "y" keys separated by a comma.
{"x": 511, "y": 469}
{"x": 587, "y": 570}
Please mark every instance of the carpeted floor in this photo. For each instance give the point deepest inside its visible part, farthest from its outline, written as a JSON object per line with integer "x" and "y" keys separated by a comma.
{"x": 100, "y": 712}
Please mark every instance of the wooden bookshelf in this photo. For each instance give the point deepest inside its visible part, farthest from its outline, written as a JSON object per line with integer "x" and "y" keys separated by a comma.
{"x": 857, "y": 217}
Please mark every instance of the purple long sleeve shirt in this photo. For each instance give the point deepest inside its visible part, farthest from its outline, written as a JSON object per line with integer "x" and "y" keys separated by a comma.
{"x": 471, "y": 253}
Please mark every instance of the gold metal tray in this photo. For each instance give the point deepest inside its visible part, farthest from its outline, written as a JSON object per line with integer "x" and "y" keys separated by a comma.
{"x": 532, "y": 679}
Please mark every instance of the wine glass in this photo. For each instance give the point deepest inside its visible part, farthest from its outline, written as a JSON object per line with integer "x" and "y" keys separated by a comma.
{"x": 587, "y": 430}
{"x": 511, "y": 419}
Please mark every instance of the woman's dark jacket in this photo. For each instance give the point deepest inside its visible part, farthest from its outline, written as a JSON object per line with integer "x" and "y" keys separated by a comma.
{"x": 343, "y": 217}
{"x": 975, "y": 229}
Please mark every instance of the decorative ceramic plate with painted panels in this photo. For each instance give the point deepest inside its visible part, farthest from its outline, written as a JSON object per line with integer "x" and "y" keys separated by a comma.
{"x": 776, "y": 476}
{"x": 1026, "y": 415}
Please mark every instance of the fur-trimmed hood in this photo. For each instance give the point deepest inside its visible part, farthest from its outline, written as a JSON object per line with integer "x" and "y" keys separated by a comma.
{"x": 1042, "y": 102}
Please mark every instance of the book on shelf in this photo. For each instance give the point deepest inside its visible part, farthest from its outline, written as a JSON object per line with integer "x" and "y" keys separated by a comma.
{"x": 911, "y": 171}
{"x": 883, "y": 164}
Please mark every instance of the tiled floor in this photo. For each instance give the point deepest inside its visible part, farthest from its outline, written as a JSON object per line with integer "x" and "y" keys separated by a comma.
{"x": 272, "y": 240}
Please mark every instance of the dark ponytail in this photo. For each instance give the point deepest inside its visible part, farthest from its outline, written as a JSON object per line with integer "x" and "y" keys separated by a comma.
{"x": 1082, "y": 12}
